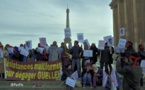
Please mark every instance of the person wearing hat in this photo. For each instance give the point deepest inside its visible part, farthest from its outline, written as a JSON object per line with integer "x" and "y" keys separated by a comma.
{"x": 132, "y": 72}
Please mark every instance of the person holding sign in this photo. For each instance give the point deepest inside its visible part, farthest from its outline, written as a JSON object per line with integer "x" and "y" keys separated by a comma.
{"x": 76, "y": 51}
{"x": 95, "y": 53}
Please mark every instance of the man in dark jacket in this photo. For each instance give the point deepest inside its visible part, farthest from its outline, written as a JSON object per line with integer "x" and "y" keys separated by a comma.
{"x": 132, "y": 72}
{"x": 76, "y": 51}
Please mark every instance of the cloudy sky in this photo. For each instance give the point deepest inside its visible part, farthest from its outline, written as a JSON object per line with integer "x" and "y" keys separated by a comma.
{"x": 22, "y": 20}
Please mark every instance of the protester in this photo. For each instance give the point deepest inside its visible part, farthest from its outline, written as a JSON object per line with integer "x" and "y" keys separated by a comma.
{"x": 87, "y": 75}
{"x": 1, "y": 59}
{"x": 98, "y": 76}
{"x": 104, "y": 59}
{"x": 54, "y": 52}
{"x": 16, "y": 54}
{"x": 129, "y": 49}
{"x": 141, "y": 52}
{"x": 95, "y": 53}
{"x": 132, "y": 72}
{"x": 84, "y": 58}
{"x": 76, "y": 51}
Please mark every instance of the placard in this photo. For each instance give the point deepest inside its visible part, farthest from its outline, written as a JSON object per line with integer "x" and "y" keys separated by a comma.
{"x": 10, "y": 50}
{"x": 28, "y": 45}
{"x": 107, "y": 37}
{"x": 70, "y": 82}
{"x": 110, "y": 41}
{"x": 75, "y": 75}
{"x": 101, "y": 44}
{"x": 122, "y": 43}
{"x": 67, "y": 32}
{"x": 80, "y": 37}
{"x": 43, "y": 42}
{"x": 122, "y": 31}
{"x": 1, "y": 53}
{"x": 88, "y": 53}
{"x": 40, "y": 50}
{"x": 24, "y": 52}
{"x": 119, "y": 50}
{"x": 86, "y": 43}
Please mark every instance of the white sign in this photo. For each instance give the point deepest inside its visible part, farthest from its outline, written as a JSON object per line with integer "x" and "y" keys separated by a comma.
{"x": 101, "y": 44}
{"x": 75, "y": 75}
{"x": 40, "y": 50}
{"x": 10, "y": 49}
{"x": 67, "y": 32}
{"x": 110, "y": 41}
{"x": 80, "y": 37}
{"x": 107, "y": 37}
{"x": 1, "y": 53}
{"x": 86, "y": 43}
{"x": 122, "y": 31}
{"x": 122, "y": 43}
{"x": 119, "y": 50}
{"x": 88, "y": 53}
{"x": 142, "y": 63}
{"x": 105, "y": 77}
{"x": 24, "y": 52}
{"x": 70, "y": 82}
{"x": 28, "y": 45}
{"x": 43, "y": 42}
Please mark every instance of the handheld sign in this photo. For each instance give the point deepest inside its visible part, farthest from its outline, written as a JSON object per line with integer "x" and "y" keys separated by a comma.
{"x": 88, "y": 53}
{"x": 86, "y": 43}
{"x": 80, "y": 37}
{"x": 67, "y": 32}
{"x": 24, "y": 52}
{"x": 122, "y": 31}
{"x": 107, "y": 37}
{"x": 1, "y": 53}
{"x": 110, "y": 41}
{"x": 10, "y": 50}
{"x": 43, "y": 42}
{"x": 70, "y": 82}
{"x": 40, "y": 50}
{"x": 122, "y": 43}
{"x": 28, "y": 45}
{"x": 101, "y": 44}
{"x": 75, "y": 75}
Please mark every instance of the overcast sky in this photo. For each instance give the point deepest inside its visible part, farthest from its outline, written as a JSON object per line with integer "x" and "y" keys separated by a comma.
{"x": 22, "y": 20}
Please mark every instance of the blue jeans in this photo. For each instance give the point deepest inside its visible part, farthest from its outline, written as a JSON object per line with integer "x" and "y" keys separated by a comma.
{"x": 24, "y": 59}
{"x": 86, "y": 78}
{"x": 77, "y": 63}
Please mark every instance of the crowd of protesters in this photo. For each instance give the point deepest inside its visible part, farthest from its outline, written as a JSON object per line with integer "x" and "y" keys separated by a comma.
{"x": 72, "y": 58}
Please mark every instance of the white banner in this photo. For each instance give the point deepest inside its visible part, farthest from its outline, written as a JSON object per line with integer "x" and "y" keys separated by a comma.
{"x": 101, "y": 44}
{"x": 24, "y": 52}
{"x": 67, "y": 32}
{"x": 43, "y": 42}
{"x": 28, "y": 45}
{"x": 80, "y": 37}
{"x": 122, "y": 43}
{"x": 88, "y": 53}
{"x": 122, "y": 31}
{"x": 70, "y": 82}
{"x": 1, "y": 53}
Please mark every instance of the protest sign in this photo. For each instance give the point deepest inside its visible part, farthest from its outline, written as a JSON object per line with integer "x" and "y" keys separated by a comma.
{"x": 122, "y": 31}
{"x": 80, "y": 37}
{"x": 110, "y": 41}
{"x": 88, "y": 53}
{"x": 67, "y": 32}
{"x": 1, "y": 53}
{"x": 24, "y": 52}
{"x": 10, "y": 50}
{"x": 105, "y": 77}
{"x": 28, "y": 45}
{"x": 43, "y": 42}
{"x": 122, "y": 43}
{"x": 107, "y": 37}
{"x": 86, "y": 43}
{"x": 75, "y": 75}
{"x": 32, "y": 71}
{"x": 101, "y": 44}
{"x": 40, "y": 50}
{"x": 119, "y": 50}
{"x": 70, "y": 82}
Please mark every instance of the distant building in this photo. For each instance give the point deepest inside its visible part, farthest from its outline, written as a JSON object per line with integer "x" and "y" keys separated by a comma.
{"x": 129, "y": 14}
